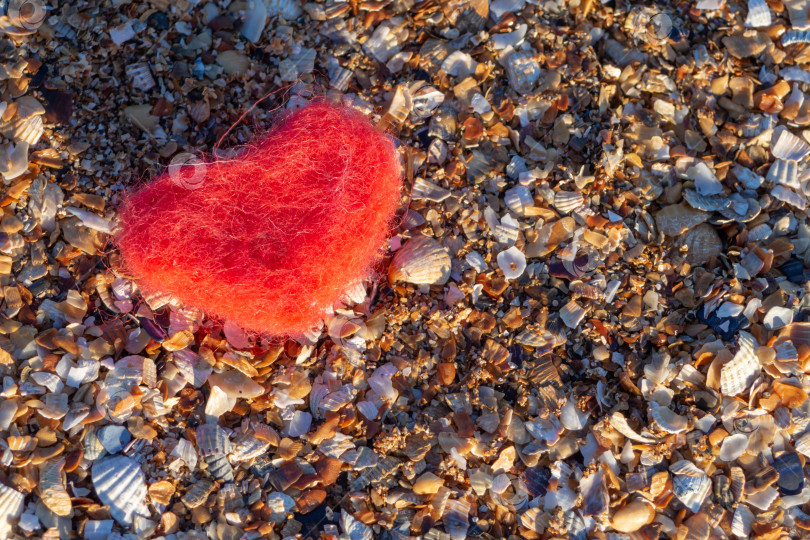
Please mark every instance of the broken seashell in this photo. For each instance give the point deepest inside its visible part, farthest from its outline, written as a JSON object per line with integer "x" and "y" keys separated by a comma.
{"x": 689, "y": 484}
{"x": 422, "y": 189}
{"x": 512, "y": 262}
{"x": 741, "y": 371}
{"x": 788, "y": 146}
{"x": 422, "y": 261}
{"x": 759, "y": 15}
{"x": 733, "y": 447}
{"x": 52, "y": 488}
{"x": 572, "y": 314}
{"x": 567, "y": 201}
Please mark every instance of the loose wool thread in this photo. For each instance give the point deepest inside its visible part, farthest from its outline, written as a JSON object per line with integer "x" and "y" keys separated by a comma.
{"x": 273, "y": 238}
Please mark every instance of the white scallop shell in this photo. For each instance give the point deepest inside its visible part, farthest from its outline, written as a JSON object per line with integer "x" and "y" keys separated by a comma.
{"x": 518, "y": 199}
{"x": 763, "y": 499}
{"x": 119, "y": 483}
{"x": 742, "y": 521}
{"x": 788, "y": 146}
{"x": 566, "y": 201}
{"x": 738, "y": 374}
{"x": 52, "y": 489}
{"x": 423, "y": 189}
{"x": 572, "y": 314}
{"x": 792, "y": 37}
{"x": 758, "y": 14}
{"x": 422, "y": 260}
{"x": 787, "y": 195}
{"x": 667, "y": 419}
{"x": 512, "y": 262}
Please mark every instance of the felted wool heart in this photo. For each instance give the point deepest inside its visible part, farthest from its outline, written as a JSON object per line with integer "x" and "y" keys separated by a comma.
{"x": 271, "y": 239}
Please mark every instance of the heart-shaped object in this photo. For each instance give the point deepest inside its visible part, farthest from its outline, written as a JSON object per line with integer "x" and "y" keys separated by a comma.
{"x": 271, "y": 239}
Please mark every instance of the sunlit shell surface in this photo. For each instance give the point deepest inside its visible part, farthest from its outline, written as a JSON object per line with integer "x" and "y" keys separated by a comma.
{"x": 119, "y": 482}
{"x": 759, "y": 15}
{"x": 422, "y": 261}
{"x": 738, "y": 374}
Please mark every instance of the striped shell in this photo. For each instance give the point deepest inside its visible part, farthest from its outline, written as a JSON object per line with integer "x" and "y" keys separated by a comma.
{"x": 689, "y": 484}
{"x": 567, "y": 201}
{"x": 738, "y": 374}
{"x": 120, "y": 483}
{"x": 212, "y": 440}
{"x": 12, "y": 503}
{"x": 792, "y": 37}
{"x": 28, "y": 129}
{"x": 518, "y": 199}
{"x": 759, "y": 15}
{"x": 422, "y": 261}
{"x": 788, "y": 146}
{"x": 140, "y": 77}
{"x": 52, "y": 489}
{"x": 572, "y": 314}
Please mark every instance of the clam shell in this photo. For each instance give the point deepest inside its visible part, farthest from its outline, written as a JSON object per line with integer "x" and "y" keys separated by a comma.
{"x": 572, "y": 314}
{"x": 788, "y": 146}
{"x": 423, "y": 189}
{"x": 119, "y": 483}
{"x": 789, "y": 196}
{"x": 422, "y": 261}
{"x": 689, "y": 484}
{"x": 793, "y": 36}
{"x": 567, "y": 201}
{"x": 738, "y": 374}
{"x": 759, "y": 15}
{"x": 52, "y": 489}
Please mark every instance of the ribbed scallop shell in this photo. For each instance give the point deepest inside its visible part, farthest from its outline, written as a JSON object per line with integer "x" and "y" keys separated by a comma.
{"x": 518, "y": 199}
{"x": 119, "y": 483}
{"x": 52, "y": 490}
{"x": 788, "y": 146}
{"x": 792, "y": 37}
{"x": 423, "y": 261}
{"x": 759, "y": 15}
{"x": 12, "y": 504}
{"x": 742, "y": 521}
{"x": 760, "y": 232}
{"x": 140, "y": 77}
{"x": 738, "y": 374}
{"x": 689, "y": 484}
{"x": 28, "y": 129}
{"x": 532, "y": 337}
{"x": 198, "y": 493}
{"x": 219, "y": 467}
{"x": 212, "y": 440}
{"x": 566, "y": 201}
{"x": 247, "y": 447}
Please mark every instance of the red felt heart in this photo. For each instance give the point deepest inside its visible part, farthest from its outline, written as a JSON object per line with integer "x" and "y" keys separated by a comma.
{"x": 271, "y": 239}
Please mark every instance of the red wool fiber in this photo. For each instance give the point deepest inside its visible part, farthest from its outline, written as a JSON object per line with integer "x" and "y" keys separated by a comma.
{"x": 271, "y": 239}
